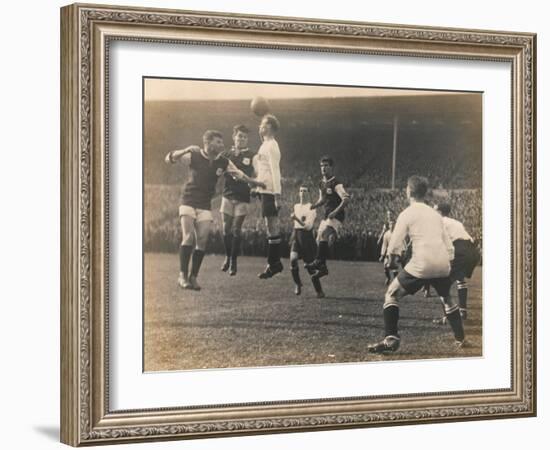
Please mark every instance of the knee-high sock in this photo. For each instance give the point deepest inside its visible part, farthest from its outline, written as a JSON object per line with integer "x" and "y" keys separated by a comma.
{"x": 196, "y": 261}
{"x": 317, "y": 284}
{"x": 391, "y": 318}
{"x": 455, "y": 321}
{"x": 462, "y": 291}
{"x": 295, "y": 271}
{"x": 236, "y": 245}
{"x": 185, "y": 255}
{"x": 322, "y": 251}
{"x": 274, "y": 243}
{"x": 228, "y": 243}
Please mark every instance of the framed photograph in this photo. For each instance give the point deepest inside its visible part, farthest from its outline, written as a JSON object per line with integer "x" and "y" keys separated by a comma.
{"x": 276, "y": 225}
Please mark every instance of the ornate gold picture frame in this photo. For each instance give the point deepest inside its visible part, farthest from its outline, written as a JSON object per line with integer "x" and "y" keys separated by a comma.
{"x": 87, "y": 34}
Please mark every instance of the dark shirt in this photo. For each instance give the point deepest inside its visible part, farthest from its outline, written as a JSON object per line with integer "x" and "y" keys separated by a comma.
{"x": 200, "y": 186}
{"x": 332, "y": 198}
{"x": 236, "y": 189}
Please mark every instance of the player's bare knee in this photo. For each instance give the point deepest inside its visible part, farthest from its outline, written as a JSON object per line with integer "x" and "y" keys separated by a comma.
{"x": 187, "y": 239}
{"x": 393, "y": 294}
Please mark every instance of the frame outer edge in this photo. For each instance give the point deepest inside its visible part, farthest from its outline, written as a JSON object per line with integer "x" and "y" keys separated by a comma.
{"x": 69, "y": 337}
{"x": 79, "y": 392}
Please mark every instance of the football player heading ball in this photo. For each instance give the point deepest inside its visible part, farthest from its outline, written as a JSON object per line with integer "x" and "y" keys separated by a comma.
{"x": 267, "y": 167}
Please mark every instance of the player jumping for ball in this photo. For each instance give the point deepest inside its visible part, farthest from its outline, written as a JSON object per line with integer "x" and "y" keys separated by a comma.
{"x": 335, "y": 199}
{"x": 302, "y": 242}
{"x": 465, "y": 260}
{"x": 267, "y": 167}
{"x": 430, "y": 261}
{"x": 205, "y": 165}
{"x": 235, "y": 197}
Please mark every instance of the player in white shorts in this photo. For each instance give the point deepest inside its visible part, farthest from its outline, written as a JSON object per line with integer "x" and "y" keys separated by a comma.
{"x": 235, "y": 197}
{"x": 334, "y": 198}
{"x": 206, "y": 165}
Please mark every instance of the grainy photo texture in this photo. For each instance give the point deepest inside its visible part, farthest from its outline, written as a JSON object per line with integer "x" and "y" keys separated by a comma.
{"x": 302, "y": 224}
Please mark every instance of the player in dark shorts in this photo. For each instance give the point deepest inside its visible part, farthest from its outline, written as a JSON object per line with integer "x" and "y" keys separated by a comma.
{"x": 205, "y": 165}
{"x": 302, "y": 242}
{"x": 465, "y": 261}
{"x": 235, "y": 197}
{"x": 335, "y": 199}
{"x": 432, "y": 252}
{"x": 267, "y": 168}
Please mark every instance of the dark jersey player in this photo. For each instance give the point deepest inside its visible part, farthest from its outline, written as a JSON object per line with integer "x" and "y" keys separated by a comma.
{"x": 334, "y": 198}
{"x": 235, "y": 197}
{"x": 206, "y": 165}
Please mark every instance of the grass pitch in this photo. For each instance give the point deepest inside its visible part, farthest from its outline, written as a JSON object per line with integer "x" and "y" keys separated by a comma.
{"x": 242, "y": 321}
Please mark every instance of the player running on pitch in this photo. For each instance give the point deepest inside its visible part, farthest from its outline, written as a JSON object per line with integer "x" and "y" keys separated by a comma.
{"x": 206, "y": 165}
{"x": 267, "y": 168}
{"x": 302, "y": 242}
{"x": 385, "y": 256}
{"x": 235, "y": 197}
{"x": 335, "y": 199}
{"x": 430, "y": 261}
{"x": 465, "y": 260}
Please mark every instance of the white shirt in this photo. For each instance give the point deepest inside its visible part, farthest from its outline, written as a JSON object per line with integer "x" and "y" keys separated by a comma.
{"x": 432, "y": 249}
{"x": 385, "y": 242}
{"x": 266, "y": 165}
{"x": 456, "y": 230}
{"x": 306, "y": 215}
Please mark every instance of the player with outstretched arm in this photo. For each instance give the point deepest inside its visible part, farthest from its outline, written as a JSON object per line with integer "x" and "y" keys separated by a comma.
{"x": 205, "y": 165}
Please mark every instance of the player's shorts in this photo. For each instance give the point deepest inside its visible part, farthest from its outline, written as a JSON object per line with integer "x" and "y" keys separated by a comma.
{"x": 268, "y": 205}
{"x": 335, "y": 224}
{"x": 413, "y": 284}
{"x": 233, "y": 208}
{"x": 303, "y": 243}
{"x": 200, "y": 215}
{"x": 466, "y": 259}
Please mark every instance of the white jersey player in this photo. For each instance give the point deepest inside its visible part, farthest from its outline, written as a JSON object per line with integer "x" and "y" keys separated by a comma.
{"x": 432, "y": 252}
{"x": 267, "y": 167}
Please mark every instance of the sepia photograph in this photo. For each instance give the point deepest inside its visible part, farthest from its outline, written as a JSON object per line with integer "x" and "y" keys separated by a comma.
{"x": 288, "y": 224}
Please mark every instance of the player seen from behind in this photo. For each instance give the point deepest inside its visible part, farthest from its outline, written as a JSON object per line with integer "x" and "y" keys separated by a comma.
{"x": 465, "y": 260}
{"x": 430, "y": 262}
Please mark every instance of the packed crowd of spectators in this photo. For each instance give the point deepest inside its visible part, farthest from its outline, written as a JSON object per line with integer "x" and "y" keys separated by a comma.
{"x": 358, "y": 240}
